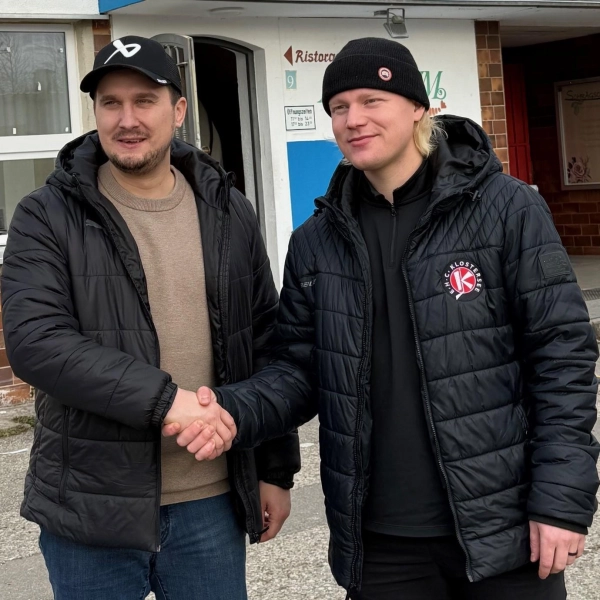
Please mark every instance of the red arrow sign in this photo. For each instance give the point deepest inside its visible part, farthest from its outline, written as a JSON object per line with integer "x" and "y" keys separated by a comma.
{"x": 290, "y": 55}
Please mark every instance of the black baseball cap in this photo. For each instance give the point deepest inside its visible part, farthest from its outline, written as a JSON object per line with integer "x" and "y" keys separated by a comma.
{"x": 137, "y": 53}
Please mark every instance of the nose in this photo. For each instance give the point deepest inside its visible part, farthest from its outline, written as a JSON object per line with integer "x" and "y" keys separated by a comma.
{"x": 128, "y": 115}
{"x": 355, "y": 117}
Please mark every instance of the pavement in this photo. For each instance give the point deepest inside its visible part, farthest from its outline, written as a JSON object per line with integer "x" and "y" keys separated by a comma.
{"x": 594, "y": 310}
{"x": 291, "y": 567}
{"x": 587, "y": 270}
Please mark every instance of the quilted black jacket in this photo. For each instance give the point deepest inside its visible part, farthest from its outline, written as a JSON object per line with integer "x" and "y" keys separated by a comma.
{"x": 503, "y": 342}
{"x": 78, "y": 327}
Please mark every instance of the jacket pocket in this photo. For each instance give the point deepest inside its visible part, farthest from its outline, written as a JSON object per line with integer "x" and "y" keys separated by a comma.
{"x": 65, "y": 458}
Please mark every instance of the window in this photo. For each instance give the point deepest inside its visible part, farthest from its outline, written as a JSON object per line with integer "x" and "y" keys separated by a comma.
{"x": 39, "y": 108}
{"x": 39, "y": 95}
{"x": 17, "y": 179}
{"x": 34, "y": 96}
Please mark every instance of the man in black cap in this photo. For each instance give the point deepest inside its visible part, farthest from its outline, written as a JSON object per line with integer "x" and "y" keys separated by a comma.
{"x": 134, "y": 276}
{"x": 430, "y": 314}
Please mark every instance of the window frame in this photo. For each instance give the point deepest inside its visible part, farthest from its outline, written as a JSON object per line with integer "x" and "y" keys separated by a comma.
{"x": 47, "y": 145}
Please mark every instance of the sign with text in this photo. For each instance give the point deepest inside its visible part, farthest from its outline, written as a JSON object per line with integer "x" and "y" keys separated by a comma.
{"x": 299, "y": 118}
{"x": 579, "y": 131}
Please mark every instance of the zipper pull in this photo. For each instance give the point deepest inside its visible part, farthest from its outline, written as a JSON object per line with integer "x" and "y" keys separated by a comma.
{"x": 393, "y": 211}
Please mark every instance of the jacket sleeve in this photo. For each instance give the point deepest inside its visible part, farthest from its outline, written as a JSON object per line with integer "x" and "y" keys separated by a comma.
{"x": 43, "y": 341}
{"x": 558, "y": 352}
{"x": 279, "y": 459}
{"x": 282, "y": 396}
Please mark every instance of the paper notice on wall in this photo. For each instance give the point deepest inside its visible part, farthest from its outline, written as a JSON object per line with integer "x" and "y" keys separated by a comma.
{"x": 299, "y": 118}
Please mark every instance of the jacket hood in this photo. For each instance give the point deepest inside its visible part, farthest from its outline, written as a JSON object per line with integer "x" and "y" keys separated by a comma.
{"x": 464, "y": 157}
{"x": 78, "y": 162}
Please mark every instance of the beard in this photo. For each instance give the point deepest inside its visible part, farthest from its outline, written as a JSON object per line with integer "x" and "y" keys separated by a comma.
{"x": 142, "y": 165}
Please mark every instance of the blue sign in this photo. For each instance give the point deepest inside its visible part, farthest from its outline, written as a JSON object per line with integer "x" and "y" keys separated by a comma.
{"x": 105, "y": 5}
{"x": 290, "y": 80}
{"x": 311, "y": 165}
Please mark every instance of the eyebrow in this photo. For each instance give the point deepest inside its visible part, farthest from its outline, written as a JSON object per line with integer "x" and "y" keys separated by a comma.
{"x": 151, "y": 95}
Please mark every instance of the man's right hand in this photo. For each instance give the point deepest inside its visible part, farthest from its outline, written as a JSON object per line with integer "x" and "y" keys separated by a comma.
{"x": 209, "y": 429}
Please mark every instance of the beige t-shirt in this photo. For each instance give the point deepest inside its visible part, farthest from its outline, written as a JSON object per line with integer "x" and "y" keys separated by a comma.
{"x": 167, "y": 233}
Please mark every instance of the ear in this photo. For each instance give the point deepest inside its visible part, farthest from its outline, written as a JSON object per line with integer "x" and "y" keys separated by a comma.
{"x": 419, "y": 111}
{"x": 180, "y": 111}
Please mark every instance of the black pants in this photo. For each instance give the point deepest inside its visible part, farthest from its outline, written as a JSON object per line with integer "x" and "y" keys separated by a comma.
{"x": 399, "y": 568}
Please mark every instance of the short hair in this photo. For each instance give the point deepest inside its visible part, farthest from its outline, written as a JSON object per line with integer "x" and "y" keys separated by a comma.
{"x": 426, "y": 134}
{"x": 175, "y": 95}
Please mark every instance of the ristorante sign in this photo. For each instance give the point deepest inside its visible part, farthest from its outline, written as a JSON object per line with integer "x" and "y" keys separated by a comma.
{"x": 307, "y": 56}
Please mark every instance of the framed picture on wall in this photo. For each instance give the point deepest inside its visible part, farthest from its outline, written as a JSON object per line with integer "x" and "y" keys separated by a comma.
{"x": 578, "y": 115}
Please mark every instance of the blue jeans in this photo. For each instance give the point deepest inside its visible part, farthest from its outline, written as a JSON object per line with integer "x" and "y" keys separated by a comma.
{"x": 202, "y": 557}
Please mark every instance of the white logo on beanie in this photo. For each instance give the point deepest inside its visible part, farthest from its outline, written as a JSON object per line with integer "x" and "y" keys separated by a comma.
{"x": 127, "y": 51}
{"x": 385, "y": 74}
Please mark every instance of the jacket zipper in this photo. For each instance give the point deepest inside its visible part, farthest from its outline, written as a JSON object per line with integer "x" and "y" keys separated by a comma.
{"x": 223, "y": 311}
{"x": 157, "y": 345}
{"x": 357, "y": 457}
{"x": 146, "y": 308}
{"x": 425, "y": 394}
{"x": 357, "y": 430}
{"x": 393, "y": 242}
{"x": 62, "y": 490}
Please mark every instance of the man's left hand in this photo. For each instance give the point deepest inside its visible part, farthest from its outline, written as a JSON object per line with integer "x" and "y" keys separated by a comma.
{"x": 276, "y": 505}
{"x": 554, "y": 547}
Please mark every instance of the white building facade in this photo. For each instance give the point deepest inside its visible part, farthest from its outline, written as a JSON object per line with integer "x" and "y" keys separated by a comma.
{"x": 255, "y": 87}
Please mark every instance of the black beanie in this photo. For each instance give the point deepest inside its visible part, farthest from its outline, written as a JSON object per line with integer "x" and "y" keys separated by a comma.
{"x": 374, "y": 63}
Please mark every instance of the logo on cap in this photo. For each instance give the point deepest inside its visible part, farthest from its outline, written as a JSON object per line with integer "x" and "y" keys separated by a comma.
{"x": 385, "y": 74}
{"x": 127, "y": 51}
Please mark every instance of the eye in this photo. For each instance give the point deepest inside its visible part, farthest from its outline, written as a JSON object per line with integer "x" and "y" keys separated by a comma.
{"x": 372, "y": 100}
{"x": 145, "y": 101}
{"x": 338, "y": 109}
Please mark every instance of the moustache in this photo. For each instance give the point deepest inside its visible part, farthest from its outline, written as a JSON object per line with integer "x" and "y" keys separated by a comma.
{"x": 123, "y": 135}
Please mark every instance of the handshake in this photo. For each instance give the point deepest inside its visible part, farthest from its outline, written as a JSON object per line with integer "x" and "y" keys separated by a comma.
{"x": 201, "y": 425}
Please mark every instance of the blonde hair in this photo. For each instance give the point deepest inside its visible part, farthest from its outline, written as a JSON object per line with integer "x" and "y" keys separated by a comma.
{"x": 426, "y": 134}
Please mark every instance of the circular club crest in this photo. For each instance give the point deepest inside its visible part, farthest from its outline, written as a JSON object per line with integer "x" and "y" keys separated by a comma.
{"x": 385, "y": 74}
{"x": 462, "y": 280}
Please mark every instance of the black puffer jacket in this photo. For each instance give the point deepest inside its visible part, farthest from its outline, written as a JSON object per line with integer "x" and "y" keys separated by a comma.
{"x": 507, "y": 367}
{"x": 78, "y": 327}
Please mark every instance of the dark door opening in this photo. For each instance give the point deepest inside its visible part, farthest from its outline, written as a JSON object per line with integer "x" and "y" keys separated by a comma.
{"x": 218, "y": 81}
{"x": 219, "y": 107}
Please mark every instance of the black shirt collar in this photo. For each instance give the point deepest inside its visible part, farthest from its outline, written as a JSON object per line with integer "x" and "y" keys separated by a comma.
{"x": 419, "y": 183}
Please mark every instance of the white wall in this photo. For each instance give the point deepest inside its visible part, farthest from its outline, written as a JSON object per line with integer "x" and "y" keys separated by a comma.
{"x": 48, "y": 7}
{"x": 438, "y": 46}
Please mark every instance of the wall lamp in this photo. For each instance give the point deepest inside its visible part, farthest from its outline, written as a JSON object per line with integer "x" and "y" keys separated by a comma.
{"x": 395, "y": 23}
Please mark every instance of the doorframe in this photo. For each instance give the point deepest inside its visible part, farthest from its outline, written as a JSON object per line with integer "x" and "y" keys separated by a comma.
{"x": 256, "y": 175}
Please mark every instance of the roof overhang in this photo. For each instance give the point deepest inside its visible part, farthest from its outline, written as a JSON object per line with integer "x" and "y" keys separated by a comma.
{"x": 512, "y": 12}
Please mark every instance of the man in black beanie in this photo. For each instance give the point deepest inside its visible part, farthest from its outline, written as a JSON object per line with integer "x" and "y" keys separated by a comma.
{"x": 430, "y": 315}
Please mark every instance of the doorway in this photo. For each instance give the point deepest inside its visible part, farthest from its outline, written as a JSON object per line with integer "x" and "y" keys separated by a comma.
{"x": 219, "y": 84}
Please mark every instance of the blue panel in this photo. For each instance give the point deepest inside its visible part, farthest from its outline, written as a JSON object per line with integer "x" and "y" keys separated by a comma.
{"x": 105, "y": 5}
{"x": 311, "y": 166}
